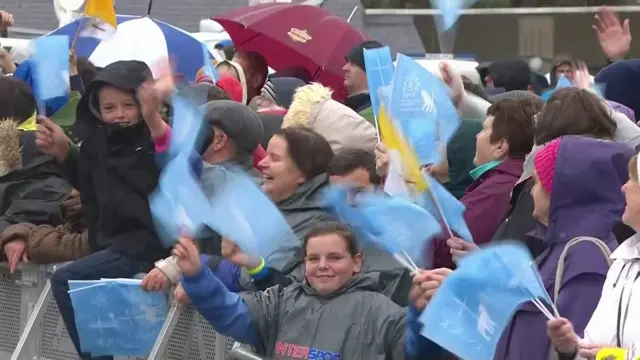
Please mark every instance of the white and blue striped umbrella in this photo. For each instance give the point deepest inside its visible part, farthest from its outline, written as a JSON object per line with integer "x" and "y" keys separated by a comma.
{"x": 139, "y": 38}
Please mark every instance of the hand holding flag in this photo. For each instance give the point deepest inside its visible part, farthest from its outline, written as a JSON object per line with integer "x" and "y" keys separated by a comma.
{"x": 562, "y": 335}
{"x": 425, "y": 283}
{"x": 454, "y": 81}
{"x": 472, "y": 307}
{"x": 187, "y": 256}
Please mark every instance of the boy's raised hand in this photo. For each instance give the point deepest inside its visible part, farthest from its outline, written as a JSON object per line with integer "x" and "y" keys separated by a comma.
{"x": 51, "y": 139}
{"x": 187, "y": 256}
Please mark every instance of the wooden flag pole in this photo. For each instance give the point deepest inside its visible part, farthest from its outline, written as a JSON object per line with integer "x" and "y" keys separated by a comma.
{"x": 78, "y": 30}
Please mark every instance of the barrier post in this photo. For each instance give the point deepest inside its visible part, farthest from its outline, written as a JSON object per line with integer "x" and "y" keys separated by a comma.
{"x": 162, "y": 341}
{"x": 28, "y": 343}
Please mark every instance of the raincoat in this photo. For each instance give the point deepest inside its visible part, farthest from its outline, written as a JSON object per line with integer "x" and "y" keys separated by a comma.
{"x": 31, "y": 186}
{"x": 585, "y": 201}
{"x": 117, "y": 171}
{"x": 353, "y": 323}
{"x": 487, "y": 202}
{"x": 619, "y": 302}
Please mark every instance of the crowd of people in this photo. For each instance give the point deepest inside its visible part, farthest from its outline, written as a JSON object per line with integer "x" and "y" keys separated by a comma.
{"x": 77, "y": 173}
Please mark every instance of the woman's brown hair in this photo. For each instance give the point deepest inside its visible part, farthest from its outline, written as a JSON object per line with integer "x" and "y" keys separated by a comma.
{"x": 573, "y": 111}
{"x": 310, "y": 151}
{"x": 513, "y": 122}
{"x": 333, "y": 228}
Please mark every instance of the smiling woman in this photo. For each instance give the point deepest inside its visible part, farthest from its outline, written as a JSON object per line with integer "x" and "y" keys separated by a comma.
{"x": 331, "y": 257}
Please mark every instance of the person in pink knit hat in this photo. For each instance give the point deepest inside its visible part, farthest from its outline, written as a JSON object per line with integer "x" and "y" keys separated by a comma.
{"x": 577, "y": 200}
{"x": 545, "y": 163}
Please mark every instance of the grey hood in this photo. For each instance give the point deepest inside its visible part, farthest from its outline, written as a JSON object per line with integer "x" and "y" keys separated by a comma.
{"x": 354, "y": 323}
{"x": 303, "y": 210}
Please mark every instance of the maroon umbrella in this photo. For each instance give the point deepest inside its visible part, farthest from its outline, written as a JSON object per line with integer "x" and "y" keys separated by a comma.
{"x": 290, "y": 35}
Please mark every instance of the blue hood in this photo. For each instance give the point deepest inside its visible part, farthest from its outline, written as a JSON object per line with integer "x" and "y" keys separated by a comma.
{"x": 26, "y": 73}
{"x": 621, "y": 83}
{"x": 586, "y": 199}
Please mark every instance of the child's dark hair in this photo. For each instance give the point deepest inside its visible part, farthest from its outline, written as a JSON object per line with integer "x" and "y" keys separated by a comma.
{"x": 350, "y": 159}
{"x": 333, "y": 228}
{"x": 16, "y": 100}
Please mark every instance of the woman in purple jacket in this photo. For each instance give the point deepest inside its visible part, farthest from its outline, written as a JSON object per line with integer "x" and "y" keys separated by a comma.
{"x": 576, "y": 194}
{"x": 501, "y": 148}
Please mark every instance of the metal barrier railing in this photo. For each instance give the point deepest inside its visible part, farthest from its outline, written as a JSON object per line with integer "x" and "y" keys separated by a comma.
{"x": 240, "y": 353}
{"x": 20, "y": 293}
{"x": 186, "y": 335}
{"x": 33, "y": 328}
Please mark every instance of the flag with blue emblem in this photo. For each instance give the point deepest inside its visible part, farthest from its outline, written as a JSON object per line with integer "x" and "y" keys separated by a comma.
{"x": 474, "y": 304}
{"x": 393, "y": 224}
{"x": 243, "y": 213}
{"x": 421, "y": 106}
{"x": 51, "y": 60}
{"x": 379, "y": 65}
{"x": 439, "y": 202}
{"x": 116, "y": 317}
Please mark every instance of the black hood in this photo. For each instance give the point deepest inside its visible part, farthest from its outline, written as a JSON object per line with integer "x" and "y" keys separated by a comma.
{"x": 125, "y": 75}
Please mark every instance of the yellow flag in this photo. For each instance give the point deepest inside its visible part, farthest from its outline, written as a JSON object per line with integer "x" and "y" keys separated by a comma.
{"x": 104, "y": 22}
{"x": 393, "y": 139}
{"x": 612, "y": 354}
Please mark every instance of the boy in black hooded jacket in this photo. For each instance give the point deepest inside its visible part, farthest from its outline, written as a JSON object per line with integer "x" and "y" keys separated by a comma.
{"x": 115, "y": 171}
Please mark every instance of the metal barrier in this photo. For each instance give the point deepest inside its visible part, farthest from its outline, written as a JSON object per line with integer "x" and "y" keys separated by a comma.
{"x": 32, "y": 327}
{"x": 45, "y": 335}
{"x": 19, "y": 293}
{"x": 240, "y": 353}
{"x": 39, "y": 331}
{"x": 186, "y": 335}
